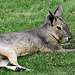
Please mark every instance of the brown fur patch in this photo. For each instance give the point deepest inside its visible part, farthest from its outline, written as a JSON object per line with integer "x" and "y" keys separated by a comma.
{"x": 54, "y": 38}
{"x": 0, "y": 63}
{"x": 63, "y": 39}
{"x": 4, "y": 54}
{"x": 58, "y": 42}
{"x": 1, "y": 53}
{"x": 59, "y": 45}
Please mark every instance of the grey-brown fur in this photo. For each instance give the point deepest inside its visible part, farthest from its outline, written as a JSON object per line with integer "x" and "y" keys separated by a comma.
{"x": 44, "y": 39}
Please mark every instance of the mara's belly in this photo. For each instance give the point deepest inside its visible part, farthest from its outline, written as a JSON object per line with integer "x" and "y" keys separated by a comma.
{"x": 22, "y": 50}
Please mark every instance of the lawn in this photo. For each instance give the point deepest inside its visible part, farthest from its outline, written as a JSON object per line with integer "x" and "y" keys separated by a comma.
{"x": 22, "y": 15}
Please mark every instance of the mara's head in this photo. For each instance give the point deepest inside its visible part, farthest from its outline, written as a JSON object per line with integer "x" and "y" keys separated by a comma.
{"x": 58, "y": 27}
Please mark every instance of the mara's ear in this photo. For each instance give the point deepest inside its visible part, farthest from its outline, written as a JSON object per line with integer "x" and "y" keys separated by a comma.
{"x": 58, "y": 12}
{"x": 50, "y": 17}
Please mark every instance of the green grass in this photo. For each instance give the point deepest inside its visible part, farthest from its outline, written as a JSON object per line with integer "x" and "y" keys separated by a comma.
{"x": 22, "y": 15}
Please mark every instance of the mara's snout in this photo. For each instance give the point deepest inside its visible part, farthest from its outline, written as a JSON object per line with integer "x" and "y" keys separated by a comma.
{"x": 66, "y": 38}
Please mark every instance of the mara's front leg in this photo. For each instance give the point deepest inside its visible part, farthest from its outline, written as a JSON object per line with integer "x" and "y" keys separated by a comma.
{"x": 66, "y": 50}
{"x": 59, "y": 50}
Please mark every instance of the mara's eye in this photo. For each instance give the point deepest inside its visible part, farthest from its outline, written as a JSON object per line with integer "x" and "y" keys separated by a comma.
{"x": 59, "y": 28}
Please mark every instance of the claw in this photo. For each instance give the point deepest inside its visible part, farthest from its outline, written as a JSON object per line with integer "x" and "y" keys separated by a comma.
{"x": 29, "y": 69}
{"x": 26, "y": 69}
{"x": 17, "y": 69}
{"x": 23, "y": 69}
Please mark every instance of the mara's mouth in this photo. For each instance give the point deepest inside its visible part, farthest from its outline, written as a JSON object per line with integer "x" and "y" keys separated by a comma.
{"x": 54, "y": 38}
{"x": 65, "y": 39}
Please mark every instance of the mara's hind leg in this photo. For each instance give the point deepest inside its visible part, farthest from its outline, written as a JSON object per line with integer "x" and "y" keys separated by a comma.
{"x": 3, "y": 60}
{"x": 13, "y": 60}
